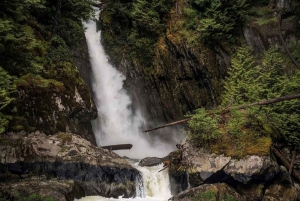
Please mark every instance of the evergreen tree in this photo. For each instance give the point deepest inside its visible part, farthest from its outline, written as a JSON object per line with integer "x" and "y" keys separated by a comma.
{"x": 6, "y": 89}
{"x": 249, "y": 82}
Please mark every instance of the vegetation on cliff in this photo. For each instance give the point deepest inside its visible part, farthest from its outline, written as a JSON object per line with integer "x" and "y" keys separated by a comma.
{"x": 198, "y": 33}
{"x": 250, "y": 131}
{"x": 133, "y": 27}
{"x": 36, "y": 37}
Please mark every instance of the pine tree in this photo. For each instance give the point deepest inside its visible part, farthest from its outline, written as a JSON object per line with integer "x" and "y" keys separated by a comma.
{"x": 6, "y": 89}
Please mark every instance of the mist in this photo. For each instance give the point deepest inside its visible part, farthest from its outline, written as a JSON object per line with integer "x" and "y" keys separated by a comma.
{"x": 116, "y": 122}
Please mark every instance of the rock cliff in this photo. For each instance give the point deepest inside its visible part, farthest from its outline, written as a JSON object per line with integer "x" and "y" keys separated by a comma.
{"x": 185, "y": 73}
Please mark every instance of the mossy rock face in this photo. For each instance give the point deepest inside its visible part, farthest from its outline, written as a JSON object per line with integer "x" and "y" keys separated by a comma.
{"x": 185, "y": 73}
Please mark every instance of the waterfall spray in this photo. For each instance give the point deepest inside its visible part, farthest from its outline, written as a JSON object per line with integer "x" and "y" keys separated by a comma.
{"x": 116, "y": 123}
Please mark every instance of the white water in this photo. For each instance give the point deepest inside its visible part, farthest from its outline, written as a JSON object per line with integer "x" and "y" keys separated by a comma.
{"x": 116, "y": 123}
{"x": 155, "y": 183}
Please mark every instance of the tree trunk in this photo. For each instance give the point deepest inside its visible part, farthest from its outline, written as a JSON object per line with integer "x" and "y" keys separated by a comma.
{"x": 286, "y": 163}
{"x": 170, "y": 124}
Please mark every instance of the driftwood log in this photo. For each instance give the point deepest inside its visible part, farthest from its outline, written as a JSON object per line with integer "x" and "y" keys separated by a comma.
{"x": 226, "y": 110}
{"x": 286, "y": 162}
{"x": 117, "y": 147}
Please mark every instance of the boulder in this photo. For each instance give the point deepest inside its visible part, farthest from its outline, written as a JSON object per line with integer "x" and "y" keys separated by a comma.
{"x": 150, "y": 161}
{"x": 251, "y": 167}
{"x": 66, "y": 156}
{"x": 58, "y": 190}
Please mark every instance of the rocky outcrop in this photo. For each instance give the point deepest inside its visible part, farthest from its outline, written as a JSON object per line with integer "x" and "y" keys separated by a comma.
{"x": 251, "y": 177}
{"x": 65, "y": 156}
{"x": 58, "y": 190}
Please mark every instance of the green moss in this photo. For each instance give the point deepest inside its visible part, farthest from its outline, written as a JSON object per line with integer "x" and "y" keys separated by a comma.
{"x": 31, "y": 80}
{"x": 65, "y": 137}
{"x": 206, "y": 196}
{"x": 264, "y": 21}
{"x": 63, "y": 148}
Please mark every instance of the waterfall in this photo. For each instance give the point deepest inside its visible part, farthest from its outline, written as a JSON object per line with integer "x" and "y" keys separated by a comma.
{"x": 116, "y": 123}
{"x": 155, "y": 186}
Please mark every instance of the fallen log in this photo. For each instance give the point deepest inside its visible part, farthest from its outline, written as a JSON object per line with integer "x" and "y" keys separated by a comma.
{"x": 117, "y": 147}
{"x": 170, "y": 124}
{"x": 226, "y": 110}
{"x": 286, "y": 163}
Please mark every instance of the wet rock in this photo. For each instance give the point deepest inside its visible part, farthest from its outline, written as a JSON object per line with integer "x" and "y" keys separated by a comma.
{"x": 67, "y": 156}
{"x": 150, "y": 161}
{"x": 55, "y": 189}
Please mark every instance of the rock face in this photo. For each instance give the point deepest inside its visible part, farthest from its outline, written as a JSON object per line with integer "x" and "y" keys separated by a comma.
{"x": 65, "y": 157}
{"x": 61, "y": 104}
{"x": 249, "y": 178}
{"x": 184, "y": 76}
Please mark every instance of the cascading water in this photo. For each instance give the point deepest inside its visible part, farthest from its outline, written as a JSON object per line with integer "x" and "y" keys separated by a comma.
{"x": 116, "y": 123}
{"x": 155, "y": 186}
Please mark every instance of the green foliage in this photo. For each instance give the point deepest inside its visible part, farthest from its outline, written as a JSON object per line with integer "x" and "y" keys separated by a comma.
{"x": 202, "y": 127}
{"x": 206, "y": 196}
{"x": 65, "y": 137}
{"x": 36, "y": 197}
{"x": 134, "y": 28}
{"x": 251, "y": 82}
{"x": 34, "y": 56}
{"x": 217, "y": 20}
{"x": 31, "y": 80}
{"x": 252, "y": 79}
{"x": 6, "y": 89}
